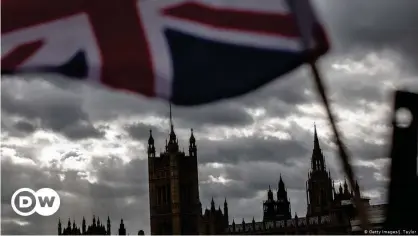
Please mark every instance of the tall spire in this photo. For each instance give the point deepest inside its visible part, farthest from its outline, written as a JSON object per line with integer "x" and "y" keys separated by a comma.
{"x": 345, "y": 187}
{"x": 172, "y": 142}
{"x": 151, "y": 147}
{"x": 59, "y": 227}
{"x": 317, "y": 161}
{"x": 150, "y": 139}
{"x": 83, "y": 226}
{"x": 269, "y": 194}
{"x": 192, "y": 138}
{"x": 192, "y": 145}
{"x": 316, "y": 140}
{"x": 281, "y": 186}
{"x": 281, "y": 183}
{"x": 172, "y": 134}
{"x": 281, "y": 190}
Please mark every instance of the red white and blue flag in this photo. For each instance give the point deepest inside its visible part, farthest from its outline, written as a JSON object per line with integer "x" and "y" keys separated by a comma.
{"x": 188, "y": 51}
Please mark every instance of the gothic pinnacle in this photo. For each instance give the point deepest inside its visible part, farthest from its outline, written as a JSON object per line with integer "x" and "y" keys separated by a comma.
{"x": 316, "y": 140}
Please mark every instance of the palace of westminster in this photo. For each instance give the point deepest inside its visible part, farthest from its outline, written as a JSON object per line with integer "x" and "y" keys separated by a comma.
{"x": 175, "y": 206}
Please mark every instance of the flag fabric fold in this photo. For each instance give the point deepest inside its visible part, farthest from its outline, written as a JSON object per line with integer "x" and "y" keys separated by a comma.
{"x": 187, "y": 51}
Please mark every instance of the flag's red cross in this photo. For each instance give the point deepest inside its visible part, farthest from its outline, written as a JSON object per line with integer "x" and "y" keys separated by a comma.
{"x": 119, "y": 32}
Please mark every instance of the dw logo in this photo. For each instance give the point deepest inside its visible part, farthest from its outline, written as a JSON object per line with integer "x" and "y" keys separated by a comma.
{"x": 45, "y": 201}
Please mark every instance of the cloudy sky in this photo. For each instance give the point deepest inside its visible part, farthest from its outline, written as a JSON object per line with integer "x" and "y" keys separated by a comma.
{"x": 88, "y": 143}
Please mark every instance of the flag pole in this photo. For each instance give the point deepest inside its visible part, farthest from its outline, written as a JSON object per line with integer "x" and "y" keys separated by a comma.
{"x": 341, "y": 148}
{"x": 305, "y": 19}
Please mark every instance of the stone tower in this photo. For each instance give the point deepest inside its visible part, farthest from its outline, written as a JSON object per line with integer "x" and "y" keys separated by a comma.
{"x": 283, "y": 203}
{"x": 277, "y": 209}
{"x": 319, "y": 186}
{"x": 173, "y": 187}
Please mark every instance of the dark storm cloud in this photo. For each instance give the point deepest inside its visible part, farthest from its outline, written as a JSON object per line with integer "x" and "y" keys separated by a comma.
{"x": 82, "y": 130}
{"x": 250, "y": 149}
{"x": 280, "y": 96}
{"x": 132, "y": 174}
{"x": 25, "y": 126}
{"x": 245, "y": 180}
{"x": 373, "y": 25}
{"x": 40, "y": 103}
{"x": 13, "y": 126}
{"x": 237, "y": 190}
{"x": 141, "y": 131}
{"x": 229, "y": 113}
{"x": 117, "y": 181}
{"x": 351, "y": 94}
{"x": 369, "y": 177}
{"x": 368, "y": 150}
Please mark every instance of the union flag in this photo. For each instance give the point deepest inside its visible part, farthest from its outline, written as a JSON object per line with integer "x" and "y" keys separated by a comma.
{"x": 186, "y": 51}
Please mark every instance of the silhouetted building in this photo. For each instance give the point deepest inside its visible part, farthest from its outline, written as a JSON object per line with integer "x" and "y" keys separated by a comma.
{"x": 122, "y": 230}
{"x": 96, "y": 228}
{"x": 173, "y": 187}
{"x": 277, "y": 209}
{"x": 328, "y": 211}
{"x": 176, "y": 209}
{"x": 319, "y": 187}
{"x": 213, "y": 221}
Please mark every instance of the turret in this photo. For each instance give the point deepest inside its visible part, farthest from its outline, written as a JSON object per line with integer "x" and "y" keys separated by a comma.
{"x": 108, "y": 229}
{"x": 122, "y": 230}
{"x": 83, "y": 226}
{"x": 94, "y": 221}
{"x": 226, "y": 213}
{"x": 281, "y": 191}
{"x": 346, "y": 192}
{"x": 192, "y": 145}
{"x": 151, "y": 147}
{"x": 283, "y": 203}
{"x": 317, "y": 160}
{"x": 269, "y": 194}
{"x": 253, "y": 223}
{"x": 172, "y": 142}
{"x": 212, "y": 205}
{"x": 319, "y": 185}
{"x": 59, "y": 227}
